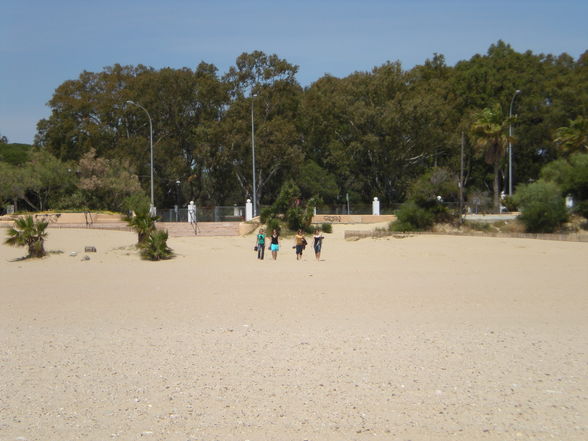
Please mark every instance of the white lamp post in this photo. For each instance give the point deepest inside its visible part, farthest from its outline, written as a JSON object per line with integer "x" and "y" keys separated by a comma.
{"x": 510, "y": 143}
{"x": 152, "y": 209}
{"x": 253, "y": 157}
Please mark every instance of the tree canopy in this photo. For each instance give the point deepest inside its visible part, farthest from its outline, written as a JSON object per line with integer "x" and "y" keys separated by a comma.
{"x": 372, "y": 133}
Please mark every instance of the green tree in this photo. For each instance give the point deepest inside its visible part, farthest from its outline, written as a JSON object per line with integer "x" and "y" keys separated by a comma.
{"x": 274, "y": 97}
{"x": 49, "y": 179}
{"x": 574, "y": 137}
{"x": 30, "y": 233}
{"x": 105, "y": 184}
{"x": 14, "y": 154}
{"x": 489, "y": 131}
{"x": 315, "y": 180}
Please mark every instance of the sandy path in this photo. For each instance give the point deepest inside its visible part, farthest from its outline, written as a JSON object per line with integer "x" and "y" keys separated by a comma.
{"x": 422, "y": 338}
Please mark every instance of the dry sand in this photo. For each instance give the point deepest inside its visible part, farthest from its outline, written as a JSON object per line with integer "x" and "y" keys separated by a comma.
{"x": 421, "y": 338}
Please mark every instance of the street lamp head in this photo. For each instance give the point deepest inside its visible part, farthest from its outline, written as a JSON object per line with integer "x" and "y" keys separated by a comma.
{"x": 130, "y": 102}
{"x": 517, "y": 91}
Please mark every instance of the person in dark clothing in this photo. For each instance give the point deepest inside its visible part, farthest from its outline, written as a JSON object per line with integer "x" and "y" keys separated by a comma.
{"x": 318, "y": 243}
{"x": 275, "y": 244}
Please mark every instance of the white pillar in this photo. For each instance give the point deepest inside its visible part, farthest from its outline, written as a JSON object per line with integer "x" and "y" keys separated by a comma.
{"x": 376, "y": 207}
{"x": 248, "y": 210}
{"x": 569, "y": 202}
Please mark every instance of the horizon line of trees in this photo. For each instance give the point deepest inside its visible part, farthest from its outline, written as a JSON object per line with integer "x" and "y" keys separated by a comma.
{"x": 372, "y": 133}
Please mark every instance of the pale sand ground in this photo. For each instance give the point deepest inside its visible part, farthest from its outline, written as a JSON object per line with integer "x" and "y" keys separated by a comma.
{"x": 422, "y": 338}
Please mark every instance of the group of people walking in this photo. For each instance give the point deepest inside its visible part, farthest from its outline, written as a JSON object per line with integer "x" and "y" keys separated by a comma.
{"x": 299, "y": 246}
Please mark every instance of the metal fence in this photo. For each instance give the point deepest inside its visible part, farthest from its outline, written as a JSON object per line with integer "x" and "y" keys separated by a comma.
{"x": 204, "y": 214}
{"x": 355, "y": 209}
{"x": 237, "y": 213}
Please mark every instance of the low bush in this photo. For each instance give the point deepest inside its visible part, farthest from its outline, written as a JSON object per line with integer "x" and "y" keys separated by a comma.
{"x": 542, "y": 206}
{"x": 478, "y": 226}
{"x": 510, "y": 204}
{"x": 412, "y": 217}
{"x": 155, "y": 246}
{"x": 273, "y": 224}
{"x": 327, "y": 228}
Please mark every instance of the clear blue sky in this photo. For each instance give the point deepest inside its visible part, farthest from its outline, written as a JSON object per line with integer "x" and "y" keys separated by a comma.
{"x": 46, "y": 42}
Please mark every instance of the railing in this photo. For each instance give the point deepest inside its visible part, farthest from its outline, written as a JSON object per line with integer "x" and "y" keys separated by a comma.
{"x": 361, "y": 208}
{"x": 204, "y": 214}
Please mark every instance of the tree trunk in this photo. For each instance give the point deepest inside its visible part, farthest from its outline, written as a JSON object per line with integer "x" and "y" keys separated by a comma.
{"x": 496, "y": 188}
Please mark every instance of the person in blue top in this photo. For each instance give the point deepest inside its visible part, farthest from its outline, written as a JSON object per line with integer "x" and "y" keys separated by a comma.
{"x": 260, "y": 244}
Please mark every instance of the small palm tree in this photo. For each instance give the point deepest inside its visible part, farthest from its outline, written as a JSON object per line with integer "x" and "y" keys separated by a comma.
{"x": 143, "y": 223}
{"x": 30, "y": 233}
{"x": 573, "y": 138}
{"x": 155, "y": 246}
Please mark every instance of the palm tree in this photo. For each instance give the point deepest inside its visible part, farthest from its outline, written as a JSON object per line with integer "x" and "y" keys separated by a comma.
{"x": 143, "y": 223}
{"x": 573, "y": 138}
{"x": 155, "y": 247}
{"x": 28, "y": 232}
{"x": 489, "y": 130}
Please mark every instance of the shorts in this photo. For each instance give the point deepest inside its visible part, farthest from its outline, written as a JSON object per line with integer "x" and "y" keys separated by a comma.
{"x": 299, "y": 249}
{"x": 274, "y": 247}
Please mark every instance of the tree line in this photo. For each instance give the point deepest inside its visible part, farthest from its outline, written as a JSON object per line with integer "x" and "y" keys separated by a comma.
{"x": 372, "y": 133}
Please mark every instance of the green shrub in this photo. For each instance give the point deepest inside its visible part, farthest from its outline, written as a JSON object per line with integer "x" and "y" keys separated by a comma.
{"x": 142, "y": 222}
{"x": 327, "y": 228}
{"x": 155, "y": 247}
{"x": 287, "y": 207}
{"x": 266, "y": 214}
{"x": 273, "y": 224}
{"x": 581, "y": 208}
{"x": 478, "y": 226}
{"x": 510, "y": 204}
{"x": 571, "y": 175}
{"x": 30, "y": 233}
{"x": 136, "y": 202}
{"x": 425, "y": 206}
{"x": 542, "y": 206}
{"x": 309, "y": 229}
{"x": 294, "y": 218}
{"x": 412, "y": 217}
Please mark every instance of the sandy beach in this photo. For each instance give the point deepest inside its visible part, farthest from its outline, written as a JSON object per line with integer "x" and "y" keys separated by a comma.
{"x": 419, "y": 338}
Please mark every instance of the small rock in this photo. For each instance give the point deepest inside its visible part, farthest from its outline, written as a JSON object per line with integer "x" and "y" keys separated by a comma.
{"x": 90, "y": 249}
{"x": 85, "y": 258}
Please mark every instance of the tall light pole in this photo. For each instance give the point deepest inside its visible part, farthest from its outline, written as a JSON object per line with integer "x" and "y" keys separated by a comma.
{"x": 510, "y": 142}
{"x": 253, "y": 157}
{"x": 152, "y": 209}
